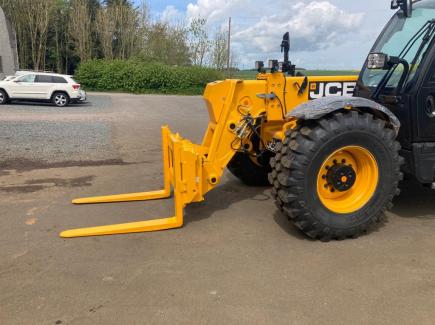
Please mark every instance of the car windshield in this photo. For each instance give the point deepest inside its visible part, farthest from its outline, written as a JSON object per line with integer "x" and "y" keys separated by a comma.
{"x": 396, "y": 35}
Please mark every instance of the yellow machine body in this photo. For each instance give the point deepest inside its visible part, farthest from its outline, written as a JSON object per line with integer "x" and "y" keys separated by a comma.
{"x": 192, "y": 170}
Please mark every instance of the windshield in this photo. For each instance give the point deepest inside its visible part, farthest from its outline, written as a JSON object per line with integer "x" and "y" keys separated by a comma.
{"x": 399, "y": 31}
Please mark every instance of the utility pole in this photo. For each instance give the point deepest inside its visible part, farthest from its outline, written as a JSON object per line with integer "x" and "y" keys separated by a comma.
{"x": 229, "y": 47}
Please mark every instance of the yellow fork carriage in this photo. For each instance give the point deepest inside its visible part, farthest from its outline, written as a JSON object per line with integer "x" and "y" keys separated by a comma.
{"x": 238, "y": 111}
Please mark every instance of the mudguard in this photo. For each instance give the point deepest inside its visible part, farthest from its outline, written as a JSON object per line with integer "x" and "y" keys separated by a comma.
{"x": 318, "y": 108}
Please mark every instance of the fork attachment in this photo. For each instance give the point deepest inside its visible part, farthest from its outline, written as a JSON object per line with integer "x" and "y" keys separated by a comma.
{"x": 192, "y": 170}
{"x": 182, "y": 171}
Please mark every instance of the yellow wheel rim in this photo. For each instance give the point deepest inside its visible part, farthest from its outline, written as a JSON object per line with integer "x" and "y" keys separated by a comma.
{"x": 347, "y": 179}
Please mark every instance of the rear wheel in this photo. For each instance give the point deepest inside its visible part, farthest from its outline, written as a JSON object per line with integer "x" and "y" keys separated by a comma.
{"x": 60, "y": 99}
{"x": 337, "y": 176}
{"x": 249, "y": 170}
{"x": 3, "y": 97}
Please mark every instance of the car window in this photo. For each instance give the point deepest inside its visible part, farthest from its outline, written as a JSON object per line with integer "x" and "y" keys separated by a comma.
{"x": 27, "y": 78}
{"x": 59, "y": 80}
{"x": 44, "y": 78}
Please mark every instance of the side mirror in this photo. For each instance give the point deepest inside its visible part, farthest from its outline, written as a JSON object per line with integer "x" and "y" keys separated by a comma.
{"x": 377, "y": 61}
{"x": 381, "y": 61}
{"x": 404, "y": 5}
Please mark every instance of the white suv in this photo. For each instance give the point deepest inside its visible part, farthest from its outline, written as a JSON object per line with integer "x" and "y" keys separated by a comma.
{"x": 59, "y": 89}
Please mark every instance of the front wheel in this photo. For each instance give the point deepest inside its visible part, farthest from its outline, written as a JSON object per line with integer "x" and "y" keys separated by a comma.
{"x": 336, "y": 177}
{"x": 3, "y": 97}
{"x": 60, "y": 99}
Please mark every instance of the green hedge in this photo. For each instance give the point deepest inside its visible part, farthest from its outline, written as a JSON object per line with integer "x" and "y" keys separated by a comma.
{"x": 140, "y": 77}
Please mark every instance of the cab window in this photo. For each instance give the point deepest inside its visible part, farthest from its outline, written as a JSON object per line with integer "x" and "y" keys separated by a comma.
{"x": 43, "y": 79}
{"x": 27, "y": 78}
{"x": 59, "y": 80}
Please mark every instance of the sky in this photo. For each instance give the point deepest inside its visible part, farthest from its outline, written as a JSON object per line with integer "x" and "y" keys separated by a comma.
{"x": 325, "y": 34}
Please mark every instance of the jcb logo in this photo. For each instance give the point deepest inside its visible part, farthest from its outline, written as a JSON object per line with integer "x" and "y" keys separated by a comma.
{"x": 332, "y": 88}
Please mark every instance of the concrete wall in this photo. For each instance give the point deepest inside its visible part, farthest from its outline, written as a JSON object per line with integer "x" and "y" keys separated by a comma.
{"x": 8, "y": 47}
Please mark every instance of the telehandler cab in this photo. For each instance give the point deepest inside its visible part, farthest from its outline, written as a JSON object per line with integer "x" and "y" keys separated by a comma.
{"x": 332, "y": 147}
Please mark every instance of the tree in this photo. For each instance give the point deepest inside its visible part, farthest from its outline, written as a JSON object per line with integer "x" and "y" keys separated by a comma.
{"x": 37, "y": 17}
{"x": 167, "y": 44}
{"x": 106, "y": 28}
{"x": 59, "y": 34}
{"x": 219, "y": 52}
{"x": 127, "y": 20}
{"x": 198, "y": 40}
{"x": 57, "y": 53}
{"x": 109, "y": 3}
{"x": 81, "y": 29}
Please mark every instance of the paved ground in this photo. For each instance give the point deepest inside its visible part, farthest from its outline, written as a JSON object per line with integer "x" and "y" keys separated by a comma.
{"x": 236, "y": 261}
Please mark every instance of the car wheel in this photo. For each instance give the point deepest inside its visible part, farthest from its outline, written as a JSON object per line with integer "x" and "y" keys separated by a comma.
{"x": 3, "y": 97}
{"x": 60, "y": 99}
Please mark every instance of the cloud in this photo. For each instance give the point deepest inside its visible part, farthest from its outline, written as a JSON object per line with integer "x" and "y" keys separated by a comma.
{"x": 214, "y": 10}
{"x": 316, "y": 27}
{"x": 172, "y": 14}
{"x": 313, "y": 26}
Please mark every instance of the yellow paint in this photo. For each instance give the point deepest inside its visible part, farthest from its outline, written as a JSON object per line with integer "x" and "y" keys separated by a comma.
{"x": 192, "y": 170}
{"x": 367, "y": 176}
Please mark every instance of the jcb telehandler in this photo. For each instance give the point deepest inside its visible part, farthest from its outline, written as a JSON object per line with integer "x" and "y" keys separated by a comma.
{"x": 333, "y": 148}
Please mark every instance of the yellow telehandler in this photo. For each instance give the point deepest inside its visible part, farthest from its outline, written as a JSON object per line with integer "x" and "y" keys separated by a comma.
{"x": 333, "y": 148}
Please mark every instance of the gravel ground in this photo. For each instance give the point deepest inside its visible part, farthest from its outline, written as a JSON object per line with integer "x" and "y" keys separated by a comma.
{"x": 45, "y": 135}
{"x": 236, "y": 260}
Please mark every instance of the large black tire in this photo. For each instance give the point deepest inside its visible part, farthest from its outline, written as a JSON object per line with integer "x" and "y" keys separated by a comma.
{"x": 3, "y": 97}
{"x": 248, "y": 171}
{"x": 296, "y": 172}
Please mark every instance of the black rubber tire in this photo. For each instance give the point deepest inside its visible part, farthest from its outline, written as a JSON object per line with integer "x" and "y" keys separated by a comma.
{"x": 57, "y": 104}
{"x": 296, "y": 167}
{"x": 4, "y": 98}
{"x": 248, "y": 172}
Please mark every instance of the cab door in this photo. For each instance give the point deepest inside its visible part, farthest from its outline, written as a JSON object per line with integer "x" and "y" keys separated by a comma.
{"x": 43, "y": 86}
{"x": 23, "y": 87}
{"x": 425, "y": 105}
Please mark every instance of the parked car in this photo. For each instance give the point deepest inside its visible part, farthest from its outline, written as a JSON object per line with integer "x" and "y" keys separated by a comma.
{"x": 58, "y": 89}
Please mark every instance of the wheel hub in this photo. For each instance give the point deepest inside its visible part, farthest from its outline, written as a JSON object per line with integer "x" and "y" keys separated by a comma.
{"x": 341, "y": 177}
{"x": 347, "y": 179}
